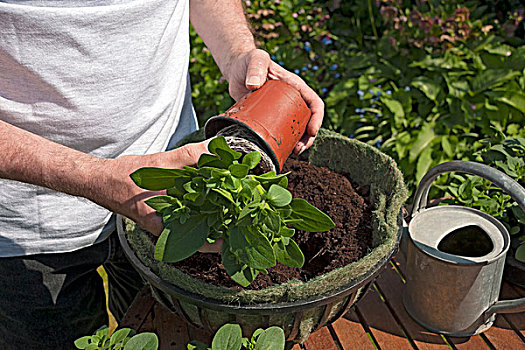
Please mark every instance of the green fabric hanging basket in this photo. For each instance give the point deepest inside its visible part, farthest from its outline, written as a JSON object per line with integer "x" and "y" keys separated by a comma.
{"x": 298, "y": 307}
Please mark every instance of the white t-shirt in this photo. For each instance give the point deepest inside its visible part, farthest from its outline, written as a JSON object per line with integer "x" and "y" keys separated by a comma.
{"x": 103, "y": 77}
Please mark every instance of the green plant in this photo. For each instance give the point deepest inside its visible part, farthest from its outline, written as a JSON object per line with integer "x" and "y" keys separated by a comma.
{"x": 125, "y": 339}
{"x": 229, "y": 337}
{"x": 507, "y": 156}
{"x": 222, "y": 199}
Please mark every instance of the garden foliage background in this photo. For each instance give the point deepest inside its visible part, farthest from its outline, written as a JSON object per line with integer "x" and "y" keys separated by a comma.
{"x": 424, "y": 81}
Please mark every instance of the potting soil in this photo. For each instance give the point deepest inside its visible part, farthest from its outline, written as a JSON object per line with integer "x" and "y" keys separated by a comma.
{"x": 347, "y": 242}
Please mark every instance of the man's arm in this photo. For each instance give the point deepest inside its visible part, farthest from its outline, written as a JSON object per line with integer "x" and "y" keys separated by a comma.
{"x": 224, "y": 29}
{"x": 29, "y": 158}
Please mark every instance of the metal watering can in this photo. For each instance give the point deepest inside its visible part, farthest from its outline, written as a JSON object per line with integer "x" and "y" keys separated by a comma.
{"x": 455, "y": 258}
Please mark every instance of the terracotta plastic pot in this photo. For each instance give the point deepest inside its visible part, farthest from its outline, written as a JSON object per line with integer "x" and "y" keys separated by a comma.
{"x": 276, "y": 114}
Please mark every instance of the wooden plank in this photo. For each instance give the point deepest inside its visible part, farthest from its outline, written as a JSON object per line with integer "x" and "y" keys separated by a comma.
{"x": 350, "y": 333}
{"x": 200, "y": 334}
{"x": 320, "y": 340}
{"x": 517, "y": 321}
{"x": 148, "y": 325}
{"x": 382, "y": 325}
{"x": 502, "y": 336}
{"x": 171, "y": 330}
{"x": 391, "y": 287}
{"x": 138, "y": 310}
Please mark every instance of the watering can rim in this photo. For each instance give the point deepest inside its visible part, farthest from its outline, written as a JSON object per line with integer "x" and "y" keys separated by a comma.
{"x": 500, "y": 239}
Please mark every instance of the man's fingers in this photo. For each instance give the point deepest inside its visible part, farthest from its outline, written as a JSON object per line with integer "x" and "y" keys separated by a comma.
{"x": 258, "y": 62}
{"x": 188, "y": 154}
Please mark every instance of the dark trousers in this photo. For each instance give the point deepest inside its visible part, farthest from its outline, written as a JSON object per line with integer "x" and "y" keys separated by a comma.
{"x": 49, "y": 300}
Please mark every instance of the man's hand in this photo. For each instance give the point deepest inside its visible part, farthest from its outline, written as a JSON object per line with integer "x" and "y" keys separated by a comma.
{"x": 250, "y": 70}
{"x": 129, "y": 199}
{"x": 116, "y": 191}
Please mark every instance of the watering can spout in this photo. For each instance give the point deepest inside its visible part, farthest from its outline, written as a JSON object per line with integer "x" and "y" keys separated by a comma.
{"x": 507, "y": 307}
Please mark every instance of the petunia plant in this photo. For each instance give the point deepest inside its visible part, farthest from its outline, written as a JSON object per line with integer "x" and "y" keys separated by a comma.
{"x": 255, "y": 215}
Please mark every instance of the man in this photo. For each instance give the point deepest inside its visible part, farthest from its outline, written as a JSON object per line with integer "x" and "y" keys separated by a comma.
{"x": 89, "y": 92}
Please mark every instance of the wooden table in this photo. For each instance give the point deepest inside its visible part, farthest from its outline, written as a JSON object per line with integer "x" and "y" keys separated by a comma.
{"x": 378, "y": 320}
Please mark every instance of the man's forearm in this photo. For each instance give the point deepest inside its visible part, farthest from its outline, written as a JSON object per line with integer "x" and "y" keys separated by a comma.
{"x": 29, "y": 158}
{"x": 224, "y": 29}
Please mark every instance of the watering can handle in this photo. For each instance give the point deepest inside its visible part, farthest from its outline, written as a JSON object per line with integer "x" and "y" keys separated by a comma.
{"x": 500, "y": 179}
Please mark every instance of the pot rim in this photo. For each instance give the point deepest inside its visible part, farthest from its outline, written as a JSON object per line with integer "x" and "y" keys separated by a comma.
{"x": 258, "y": 308}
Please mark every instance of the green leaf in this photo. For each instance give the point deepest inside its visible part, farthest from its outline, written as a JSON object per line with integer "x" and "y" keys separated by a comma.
{"x": 520, "y": 253}
{"x": 179, "y": 241}
{"x": 290, "y": 254}
{"x": 269, "y": 178}
{"x": 251, "y": 159}
{"x": 240, "y": 273}
{"x": 239, "y": 170}
{"x": 271, "y": 339}
{"x": 424, "y": 138}
{"x": 518, "y": 213}
{"x": 156, "y": 179}
{"x": 120, "y": 335}
{"x": 224, "y": 193}
{"x": 514, "y": 99}
{"x": 272, "y": 220}
{"x": 210, "y": 160}
{"x": 279, "y": 196}
{"x": 82, "y": 343}
{"x": 428, "y": 86}
{"x": 228, "y": 337}
{"x": 159, "y": 203}
{"x": 395, "y": 107}
{"x": 252, "y": 248}
{"x": 424, "y": 162}
{"x": 219, "y": 143}
{"x": 308, "y": 217}
{"x": 491, "y": 78}
{"x": 143, "y": 341}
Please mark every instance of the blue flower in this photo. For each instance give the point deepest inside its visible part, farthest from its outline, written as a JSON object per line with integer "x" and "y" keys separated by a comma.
{"x": 333, "y": 67}
{"x": 296, "y": 71}
{"x": 281, "y": 63}
{"x": 273, "y": 57}
{"x": 307, "y": 46}
{"x": 371, "y": 91}
{"x": 407, "y": 88}
{"x": 304, "y": 69}
{"x": 323, "y": 90}
{"x": 388, "y": 92}
{"x": 358, "y": 110}
{"x": 378, "y": 93}
{"x": 360, "y": 92}
{"x": 315, "y": 67}
{"x": 337, "y": 75}
{"x": 326, "y": 41}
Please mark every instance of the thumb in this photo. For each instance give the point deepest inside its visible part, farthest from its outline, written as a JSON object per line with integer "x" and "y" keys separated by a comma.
{"x": 257, "y": 71}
